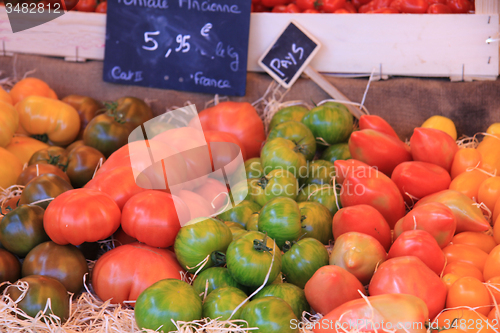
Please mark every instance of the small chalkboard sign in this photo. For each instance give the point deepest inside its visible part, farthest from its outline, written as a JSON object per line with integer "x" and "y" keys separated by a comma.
{"x": 290, "y": 54}
{"x": 190, "y": 45}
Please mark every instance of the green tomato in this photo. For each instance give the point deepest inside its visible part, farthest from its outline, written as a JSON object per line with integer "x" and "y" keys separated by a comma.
{"x": 323, "y": 194}
{"x": 22, "y": 229}
{"x": 316, "y": 221}
{"x": 241, "y": 191}
{"x": 294, "y": 112}
{"x": 299, "y": 134}
{"x": 290, "y": 293}
{"x": 331, "y": 121}
{"x": 338, "y": 151}
{"x": 40, "y": 290}
{"x": 214, "y": 278}
{"x": 283, "y": 154}
{"x": 64, "y": 263}
{"x": 232, "y": 224}
{"x": 241, "y": 213}
{"x": 43, "y": 187}
{"x": 271, "y": 315}
{"x": 303, "y": 259}
{"x": 249, "y": 259}
{"x": 107, "y": 133}
{"x": 277, "y": 183}
{"x": 204, "y": 240}
{"x": 164, "y": 301}
{"x": 320, "y": 172}
{"x": 280, "y": 219}
{"x": 222, "y": 302}
{"x": 253, "y": 222}
{"x": 10, "y": 268}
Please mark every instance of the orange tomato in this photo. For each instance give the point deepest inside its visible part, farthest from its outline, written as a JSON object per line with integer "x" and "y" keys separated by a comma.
{"x": 494, "y": 317}
{"x": 471, "y": 292}
{"x": 492, "y": 264}
{"x": 450, "y": 279}
{"x": 30, "y": 86}
{"x": 496, "y": 231}
{"x": 9, "y": 120}
{"x": 5, "y": 97}
{"x": 493, "y": 285}
{"x": 465, "y": 158}
{"x": 462, "y": 269}
{"x": 469, "y": 182}
{"x": 465, "y": 253}
{"x": 490, "y": 153}
{"x": 496, "y": 211}
{"x": 23, "y": 147}
{"x": 477, "y": 239}
{"x": 10, "y": 168}
{"x": 489, "y": 192}
{"x": 462, "y": 319}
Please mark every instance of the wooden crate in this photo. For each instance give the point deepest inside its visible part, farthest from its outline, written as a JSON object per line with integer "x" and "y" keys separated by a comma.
{"x": 453, "y": 45}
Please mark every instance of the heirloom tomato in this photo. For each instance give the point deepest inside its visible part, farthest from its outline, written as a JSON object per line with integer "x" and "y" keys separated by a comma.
{"x": 465, "y": 253}
{"x": 290, "y": 293}
{"x": 214, "y": 278}
{"x": 10, "y": 268}
{"x": 280, "y": 219}
{"x": 82, "y": 165}
{"x": 410, "y": 6}
{"x": 64, "y": 263}
{"x": 294, "y": 112}
{"x": 376, "y": 123}
{"x": 326, "y": 195}
{"x": 469, "y": 182}
{"x": 469, "y": 291}
{"x": 198, "y": 206}
{"x": 433, "y": 146}
{"x": 215, "y": 193}
{"x": 465, "y": 159}
{"x": 10, "y": 168}
{"x": 316, "y": 221}
{"x": 460, "y": 269}
{"x": 224, "y": 147}
{"x": 489, "y": 192}
{"x": 241, "y": 213}
{"x": 54, "y": 155}
{"x": 9, "y": 119}
{"x": 123, "y": 273}
{"x": 283, "y": 154}
{"x": 299, "y": 134}
{"x": 44, "y": 187}
{"x": 320, "y": 172}
{"x": 338, "y": 151}
{"x": 81, "y": 215}
{"x": 24, "y": 147}
{"x": 35, "y": 170}
{"x": 277, "y": 183}
{"x": 166, "y": 302}
{"x": 270, "y": 314}
{"x": 30, "y": 86}
{"x": 86, "y": 107}
{"x": 492, "y": 264}
{"x": 107, "y": 133}
{"x": 331, "y": 122}
{"x": 222, "y": 302}
{"x": 344, "y": 168}
{"x": 439, "y": 122}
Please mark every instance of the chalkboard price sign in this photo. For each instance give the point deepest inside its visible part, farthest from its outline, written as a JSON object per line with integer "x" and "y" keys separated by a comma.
{"x": 190, "y": 45}
{"x": 289, "y": 55}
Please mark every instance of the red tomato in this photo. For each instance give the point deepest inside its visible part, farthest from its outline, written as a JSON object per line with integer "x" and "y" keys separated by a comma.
{"x": 118, "y": 183}
{"x": 410, "y": 6}
{"x": 154, "y": 217}
{"x": 477, "y": 239}
{"x": 384, "y": 11}
{"x": 330, "y": 287}
{"x": 468, "y": 216}
{"x": 307, "y": 4}
{"x": 214, "y": 192}
{"x": 406, "y": 275}
{"x": 197, "y": 205}
{"x": 121, "y": 238}
{"x": 102, "y": 7}
{"x": 417, "y": 179}
{"x": 376, "y": 123}
{"x": 359, "y": 3}
{"x": 459, "y": 6}
{"x": 375, "y": 189}
{"x": 343, "y": 168}
{"x": 374, "y": 5}
{"x": 465, "y": 158}
{"x": 330, "y": 6}
{"x": 439, "y": 8}
{"x": 81, "y": 215}
{"x": 279, "y": 9}
{"x": 461, "y": 269}
{"x": 225, "y": 147}
{"x": 350, "y": 7}
{"x": 341, "y": 11}
{"x": 69, "y": 4}
{"x": 86, "y": 5}
{"x": 273, "y": 3}
{"x": 465, "y": 253}
{"x": 470, "y": 292}
{"x": 492, "y": 264}
{"x": 433, "y": 146}
{"x": 434, "y": 217}
{"x": 259, "y": 8}
{"x": 378, "y": 149}
{"x": 311, "y": 11}
{"x": 421, "y": 244}
{"x": 292, "y": 8}
{"x": 238, "y": 118}
{"x": 123, "y": 273}
{"x": 364, "y": 219}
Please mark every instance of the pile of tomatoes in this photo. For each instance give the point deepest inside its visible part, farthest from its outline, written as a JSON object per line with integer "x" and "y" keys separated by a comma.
{"x": 322, "y": 216}
{"x": 364, "y": 6}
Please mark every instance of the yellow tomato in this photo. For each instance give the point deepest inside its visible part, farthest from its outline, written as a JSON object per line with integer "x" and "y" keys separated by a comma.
{"x": 30, "y": 86}
{"x": 5, "y": 97}
{"x": 10, "y": 168}
{"x": 24, "y": 147}
{"x": 441, "y": 123}
{"x": 9, "y": 121}
{"x": 494, "y": 129}
{"x": 51, "y": 119}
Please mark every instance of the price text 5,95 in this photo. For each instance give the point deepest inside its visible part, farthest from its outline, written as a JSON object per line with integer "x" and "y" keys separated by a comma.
{"x": 152, "y": 45}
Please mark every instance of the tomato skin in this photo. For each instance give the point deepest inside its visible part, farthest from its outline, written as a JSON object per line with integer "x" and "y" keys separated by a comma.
{"x": 294, "y": 112}
{"x": 469, "y": 183}
{"x": 240, "y": 119}
{"x": 316, "y": 221}
{"x": 466, "y": 253}
{"x": 54, "y": 155}
{"x": 465, "y": 158}
{"x": 463, "y": 320}
{"x": 364, "y": 219}
{"x": 32, "y": 171}
{"x": 378, "y": 311}
{"x": 217, "y": 277}
{"x": 151, "y": 217}
{"x": 276, "y": 184}
{"x": 433, "y": 217}
{"x": 241, "y": 213}
{"x": 82, "y": 163}
{"x": 469, "y": 291}
{"x": 302, "y": 260}
{"x": 477, "y": 239}
{"x": 86, "y": 107}
{"x": 30, "y": 86}
{"x": 461, "y": 269}
{"x": 10, "y": 168}
{"x": 492, "y": 264}
{"x": 410, "y": 6}
{"x": 467, "y": 216}
{"x": 330, "y": 287}
{"x": 222, "y": 302}
{"x": 102, "y": 7}
{"x": 54, "y": 120}
{"x": 106, "y": 134}
{"x": 376, "y": 123}
{"x": 438, "y": 8}
{"x": 320, "y": 172}
{"x": 419, "y": 179}
{"x": 326, "y": 195}
{"x": 359, "y": 254}
{"x": 330, "y": 6}
{"x": 123, "y": 273}
{"x": 64, "y": 263}
{"x": 86, "y": 5}
{"x": 349, "y": 166}
{"x": 248, "y": 262}
{"x": 384, "y": 11}
{"x": 166, "y": 301}
{"x": 280, "y": 220}
{"x": 291, "y": 294}
{"x": 229, "y": 152}
{"x": 299, "y": 134}
{"x": 9, "y": 119}
{"x": 404, "y": 275}
{"x": 10, "y": 268}
{"x": 489, "y": 192}
{"x": 492, "y": 285}
{"x": 330, "y": 121}
{"x": 195, "y": 242}
{"x": 459, "y": 6}
{"x": 433, "y": 146}
{"x": 338, "y": 151}
{"x": 280, "y": 153}
{"x": 270, "y": 314}
{"x": 23, "y": 147}
{"x": 421, "y": 244}
{"x": 374, "y": 5}
{"x": 81, "y": 215}
{"x": 22, "y": 229}
{"x": 489, "y": 149}
{"x": 40, "y": 289}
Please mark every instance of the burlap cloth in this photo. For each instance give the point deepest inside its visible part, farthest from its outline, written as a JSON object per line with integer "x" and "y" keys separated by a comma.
{"x": 404, "y": 102}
